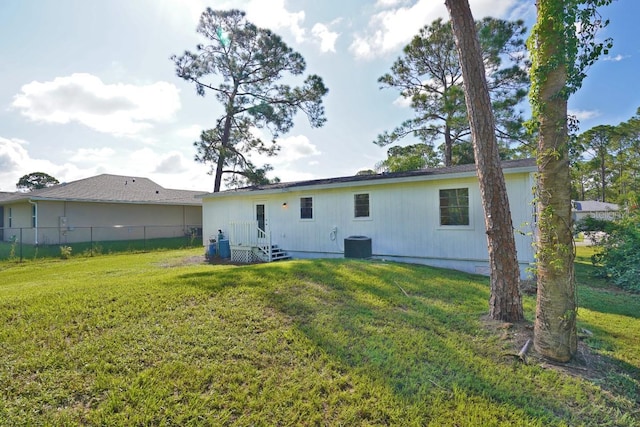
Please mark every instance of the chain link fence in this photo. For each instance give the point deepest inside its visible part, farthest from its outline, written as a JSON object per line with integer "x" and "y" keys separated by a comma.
{"x": 42, "y": 242}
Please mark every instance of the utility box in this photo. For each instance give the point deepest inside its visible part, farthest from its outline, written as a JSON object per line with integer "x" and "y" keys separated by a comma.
{"x": 357, "y": 247}
{"x": 224, "y": 249}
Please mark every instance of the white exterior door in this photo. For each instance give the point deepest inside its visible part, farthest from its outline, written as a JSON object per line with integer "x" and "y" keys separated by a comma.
{"x": 260, "y": 211}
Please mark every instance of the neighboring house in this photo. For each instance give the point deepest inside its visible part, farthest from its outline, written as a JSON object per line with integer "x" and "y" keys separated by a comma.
{"x": 598, "y": 210}
{"x": 431, "y": 216}
{"x": 103, "y": 207}
{"x": 3, "y": 195}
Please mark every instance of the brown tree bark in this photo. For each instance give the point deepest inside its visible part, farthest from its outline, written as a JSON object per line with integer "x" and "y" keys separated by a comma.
{"x": 555, "y": 326}
{"x": 506, "y": 300}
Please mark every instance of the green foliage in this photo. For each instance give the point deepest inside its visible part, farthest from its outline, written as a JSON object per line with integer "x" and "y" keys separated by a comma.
{"x": 620, "y": 256}
{"x": 429, "y": 75}
{"x": 12, "y": 249}
{"x": 575, "y": 51}
{"x": 605, "y": 161}
{"x": 365, "y": 172}
{"x": 36, "y": 181}
{"x": 249, "y": 63}
{"x": 149, "y": 339}
{"x": 408, "y": 158}
{"x": 65, "y": 252}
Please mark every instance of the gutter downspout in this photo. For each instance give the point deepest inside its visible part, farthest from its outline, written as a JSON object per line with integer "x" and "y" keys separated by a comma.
{"x": 35, "y": 224}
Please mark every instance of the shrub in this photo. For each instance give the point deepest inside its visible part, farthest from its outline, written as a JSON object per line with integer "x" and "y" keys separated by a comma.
{"x": 65, "y": 252}
{"x": 620, "y": 256}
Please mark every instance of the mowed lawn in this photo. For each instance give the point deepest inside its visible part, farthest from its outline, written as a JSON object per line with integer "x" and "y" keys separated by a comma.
{"x": 158, "y": 339}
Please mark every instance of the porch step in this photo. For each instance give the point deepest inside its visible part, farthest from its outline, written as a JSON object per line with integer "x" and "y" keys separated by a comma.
{"x": 277, "y": 254}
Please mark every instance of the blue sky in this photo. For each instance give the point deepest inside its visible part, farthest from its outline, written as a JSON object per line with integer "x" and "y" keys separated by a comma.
{"x": 88, "y": 86}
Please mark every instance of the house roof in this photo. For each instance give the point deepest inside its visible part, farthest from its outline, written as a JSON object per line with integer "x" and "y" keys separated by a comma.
{"x": 5, "y": 195}
{"x": 508, "y": 166}
{"x": 110, "y": 189}
{"x": 594, "y": 206}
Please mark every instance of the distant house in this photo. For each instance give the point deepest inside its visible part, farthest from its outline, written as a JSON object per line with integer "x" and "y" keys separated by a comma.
{"x": 103, "y": 207}
{"x": 592, "y": 208}
{"x": 431, "y": 216}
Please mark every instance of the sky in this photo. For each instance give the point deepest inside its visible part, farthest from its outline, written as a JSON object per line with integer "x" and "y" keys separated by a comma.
{"x": 88, "y": 86}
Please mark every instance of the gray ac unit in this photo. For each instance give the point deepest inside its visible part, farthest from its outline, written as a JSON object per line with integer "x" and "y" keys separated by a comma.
{"x": 357, "y": 247}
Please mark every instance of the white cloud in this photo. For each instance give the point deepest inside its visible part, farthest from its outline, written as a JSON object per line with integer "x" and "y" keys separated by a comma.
{"x": 16, "y": 161}
{"x": 274, "y": 15}
{"x": 12, "y": 155}
{"x": 190, "y": 132}
{"x": 616, "y": 58}
{"x": 296, "y": 153}
{"x": 388, "y": 3}
{"x": 295, "y": 148}
{"x": 402, "y": 102}
{"x": 392, "y": 28}
{"x": 118, "y": 109}
{"x": 584, "y": 114}
{"x": 171, "y": 163}
{"x": 171, "y": 170}
{"x": 92, "y": 155}
{"x": 326, "y": 37}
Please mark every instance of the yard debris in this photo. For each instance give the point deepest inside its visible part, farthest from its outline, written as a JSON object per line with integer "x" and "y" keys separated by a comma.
{"x": 522, "y": 354}
{"x": 403, "y": 291}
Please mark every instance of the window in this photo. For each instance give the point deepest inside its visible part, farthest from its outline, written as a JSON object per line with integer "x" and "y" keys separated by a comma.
{"x": 33, "y": 216}
{"x": 361, "y": 205}
{"x": 10, "y": 218}
{"x": 454, "y": 206}
{"x": 306, "y": 207}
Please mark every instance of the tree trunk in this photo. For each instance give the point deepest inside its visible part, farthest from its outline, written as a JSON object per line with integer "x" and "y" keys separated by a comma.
{"x": 506, "y": 301}
{"x": 226, "y": 135}
{"x": 555, "y": 325}
{"x": 603, "y": 173}
{"x": 448, "y": 146}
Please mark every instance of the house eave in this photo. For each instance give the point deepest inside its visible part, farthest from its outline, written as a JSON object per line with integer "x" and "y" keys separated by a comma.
{"x": 113, "y": 201}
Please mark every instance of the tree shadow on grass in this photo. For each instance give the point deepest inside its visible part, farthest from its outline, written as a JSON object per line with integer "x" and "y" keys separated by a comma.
{"x": 415, "y": 329}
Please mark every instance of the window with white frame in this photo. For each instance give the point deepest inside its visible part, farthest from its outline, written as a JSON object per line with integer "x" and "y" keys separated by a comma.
{"x": 454, "y": 206}
{"x": 10, "y": 218}
{"x": 306, "y": 207}
{"x": 361, "y": 205}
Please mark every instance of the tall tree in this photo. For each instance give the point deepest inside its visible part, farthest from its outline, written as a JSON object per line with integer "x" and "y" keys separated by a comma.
{"x": 559, "y": 56}
{"x": 506, "y": 301}
{"x": 36, "y": 181}
{"x": 598, "y": 142}
{"x": 250, "y": 63}
{"x": 429, "y": 75}
{"x": 627, "y": 161}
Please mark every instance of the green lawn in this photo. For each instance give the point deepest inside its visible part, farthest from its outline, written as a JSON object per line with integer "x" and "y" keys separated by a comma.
{"x": 150, "y": 339}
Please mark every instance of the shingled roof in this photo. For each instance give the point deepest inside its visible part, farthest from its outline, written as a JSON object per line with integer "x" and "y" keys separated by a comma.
{"x": 470, "y": 169}
{"x": 5, "y": 195}
{"x": 111, "y": 189}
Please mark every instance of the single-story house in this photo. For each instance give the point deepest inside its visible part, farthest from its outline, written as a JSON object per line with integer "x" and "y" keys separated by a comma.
{"x": 432, "y": 216}
{"x": 103, "y": 207}
{"x": 598, "y": 210}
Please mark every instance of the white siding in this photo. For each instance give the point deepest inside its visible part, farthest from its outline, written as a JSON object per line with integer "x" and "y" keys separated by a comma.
{"x": 403, "y": 223}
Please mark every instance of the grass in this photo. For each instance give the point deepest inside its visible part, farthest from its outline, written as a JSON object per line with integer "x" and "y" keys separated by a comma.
{"x": 613, "y": 317}
{"x": 149, "y": 339}
{"x": 13, "y": 251}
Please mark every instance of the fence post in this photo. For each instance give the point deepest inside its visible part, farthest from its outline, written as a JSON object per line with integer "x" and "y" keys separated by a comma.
{"x": 91, "y": 240}
{"x": 20, "y": 244}
{"x": 144, "y": 238}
